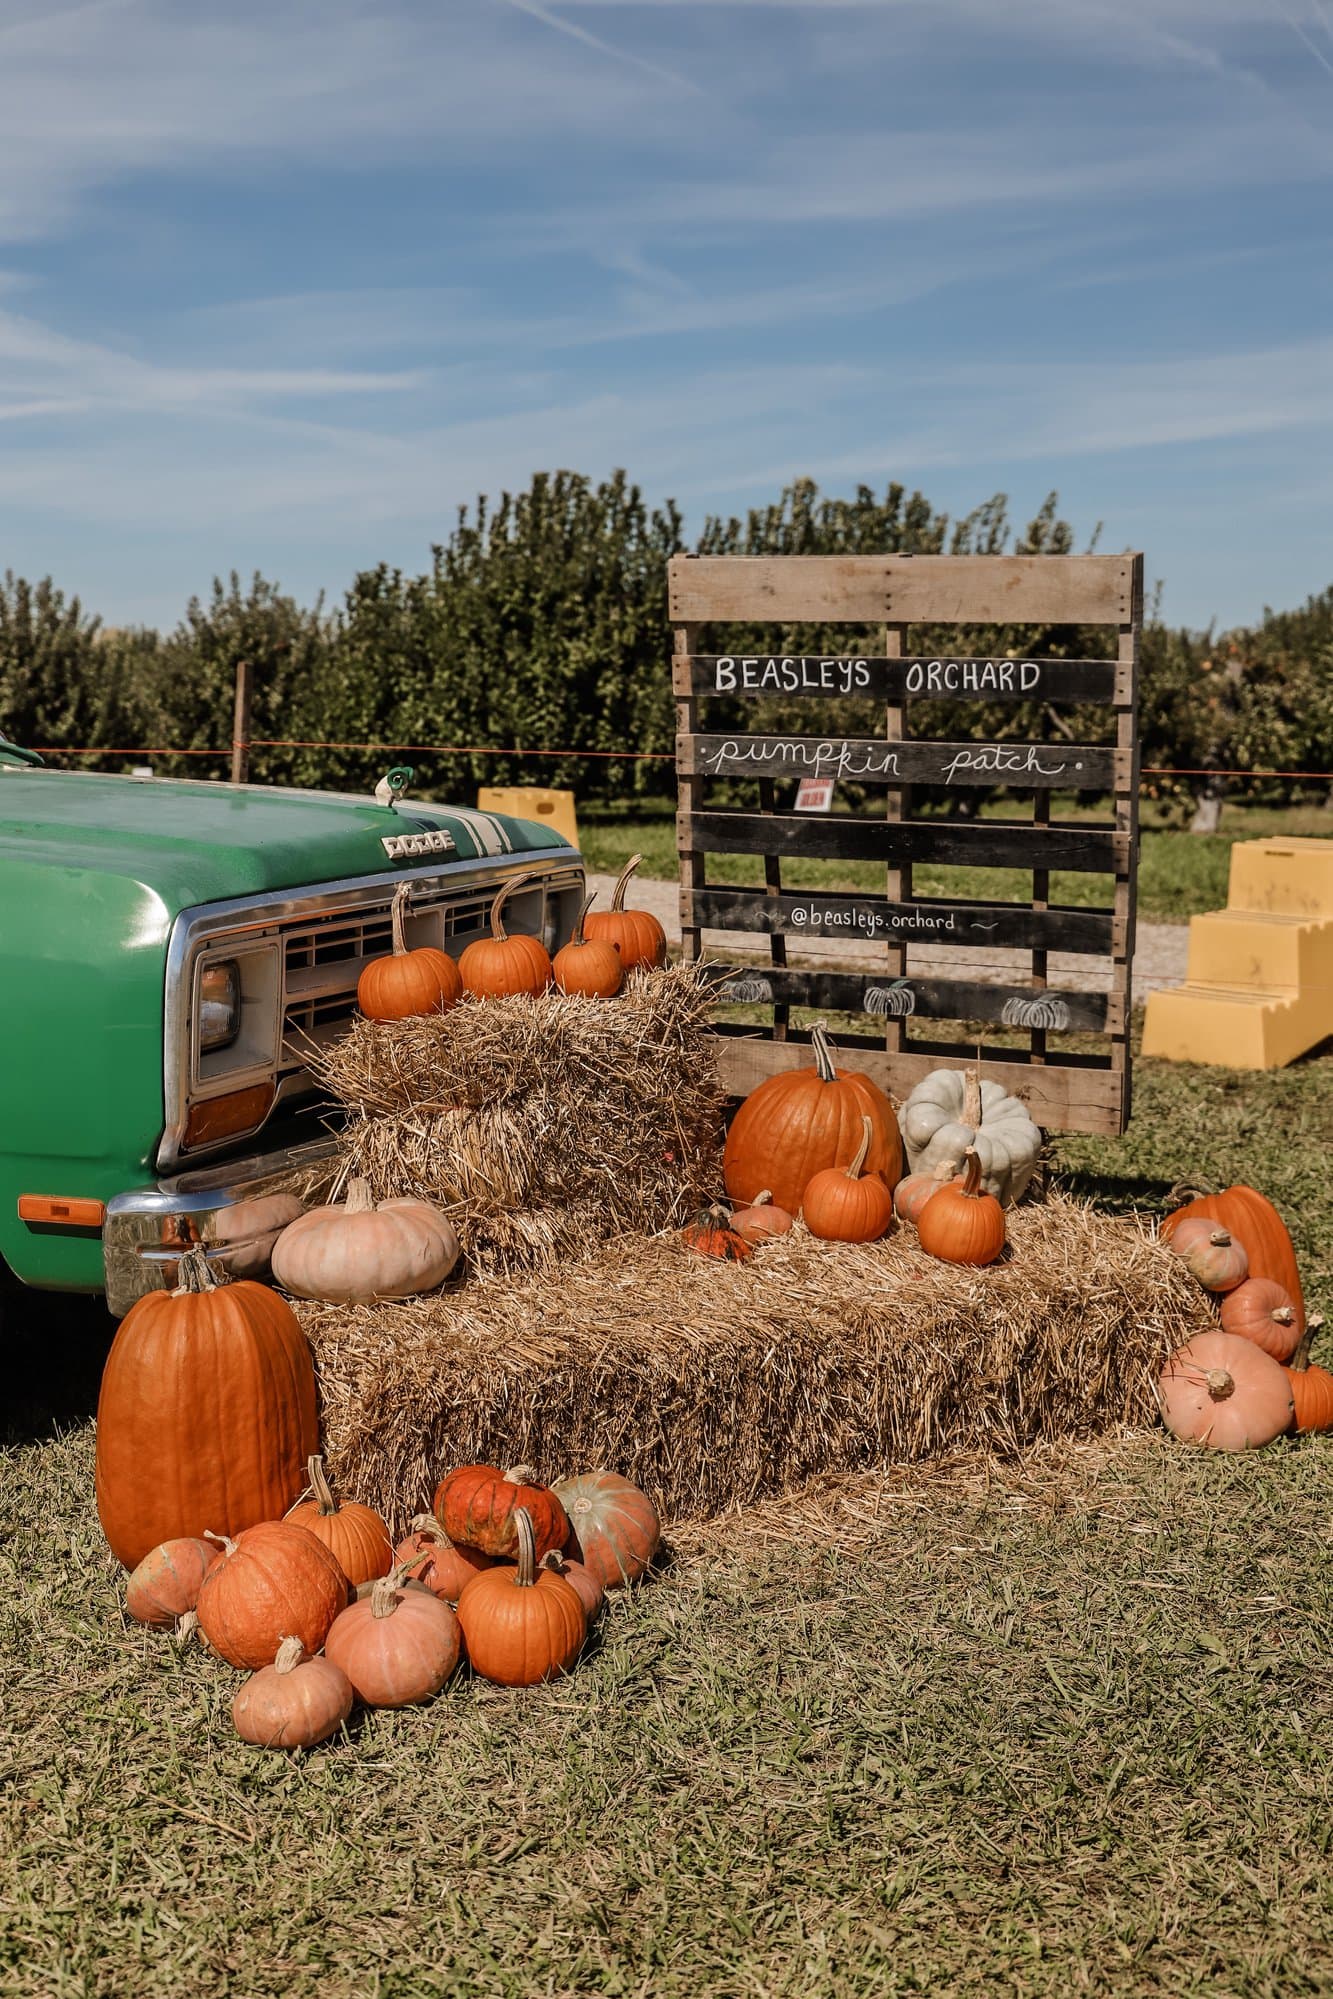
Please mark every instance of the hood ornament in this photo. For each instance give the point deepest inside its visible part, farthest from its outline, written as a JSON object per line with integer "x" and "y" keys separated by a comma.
{"x": 393, "y": 785}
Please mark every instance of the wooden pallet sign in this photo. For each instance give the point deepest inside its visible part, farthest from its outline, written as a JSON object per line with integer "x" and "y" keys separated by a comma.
{"x": 1041, "y": 970}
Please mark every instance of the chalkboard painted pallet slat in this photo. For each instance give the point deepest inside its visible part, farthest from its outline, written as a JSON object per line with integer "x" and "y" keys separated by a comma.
{"x": 873, "y": 760}
{"x": 868, "y": 921}
{"x": 913, "y": 997}
{"x": 753, "y": 677}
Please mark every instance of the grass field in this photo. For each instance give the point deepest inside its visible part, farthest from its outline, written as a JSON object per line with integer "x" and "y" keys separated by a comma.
{"x": 1179, "y": 875}
{"x": 1064, "y": 1726}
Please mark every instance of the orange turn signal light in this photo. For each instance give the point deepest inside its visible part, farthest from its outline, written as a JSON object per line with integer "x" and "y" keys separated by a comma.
{"x": 226, "y": 1117}
{"x": 61, "y": 1212}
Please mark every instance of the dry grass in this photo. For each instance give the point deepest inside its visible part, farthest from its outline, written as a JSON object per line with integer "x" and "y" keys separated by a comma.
{"x": 543, "y": 1124}
{"x": 712, "y": 1384}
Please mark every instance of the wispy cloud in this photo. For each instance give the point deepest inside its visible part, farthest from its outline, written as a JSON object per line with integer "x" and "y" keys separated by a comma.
{"x": 588, "y": 40}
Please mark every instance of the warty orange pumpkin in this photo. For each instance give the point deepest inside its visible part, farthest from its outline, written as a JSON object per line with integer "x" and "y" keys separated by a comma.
{"x": 479, "y": 1504}
{"x": 274, "y": 1581}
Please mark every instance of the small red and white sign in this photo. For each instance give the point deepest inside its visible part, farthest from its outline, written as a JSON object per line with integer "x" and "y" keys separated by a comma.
{"x": 814, "y": 794}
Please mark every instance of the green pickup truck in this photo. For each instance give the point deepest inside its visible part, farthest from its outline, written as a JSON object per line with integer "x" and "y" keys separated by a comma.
{"x": 169, "y": 951}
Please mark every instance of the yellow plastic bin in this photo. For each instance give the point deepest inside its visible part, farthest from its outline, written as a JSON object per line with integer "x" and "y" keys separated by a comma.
{"x": 533, "y": 801}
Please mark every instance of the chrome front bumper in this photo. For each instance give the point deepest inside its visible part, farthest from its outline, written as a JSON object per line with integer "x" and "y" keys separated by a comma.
{"x": 146, "y": 1230}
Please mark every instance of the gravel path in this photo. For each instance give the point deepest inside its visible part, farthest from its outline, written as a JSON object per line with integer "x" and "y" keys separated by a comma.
{"x": 1159, "y": 957}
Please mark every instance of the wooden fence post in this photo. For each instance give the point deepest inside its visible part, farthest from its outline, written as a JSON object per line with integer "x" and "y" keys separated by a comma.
{"x": 240, "y": 727}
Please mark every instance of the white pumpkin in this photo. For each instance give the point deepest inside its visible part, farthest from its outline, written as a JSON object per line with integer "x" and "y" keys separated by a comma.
{"x": 363, "y": 1251}
{"x": 952, "y": 1109}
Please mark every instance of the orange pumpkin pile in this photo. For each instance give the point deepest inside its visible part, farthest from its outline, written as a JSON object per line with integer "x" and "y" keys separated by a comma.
{"x": 1235, "y": 1389}
{"x": 303, "y": 1592}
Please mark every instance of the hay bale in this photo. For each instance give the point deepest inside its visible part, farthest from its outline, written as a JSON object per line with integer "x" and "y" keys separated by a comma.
{"x": 545, "y": 1125}
{"x": 712, "y": 1384}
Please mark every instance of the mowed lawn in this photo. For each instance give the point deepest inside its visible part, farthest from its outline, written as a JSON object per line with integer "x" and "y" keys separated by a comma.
{"x": 1061, "y": 1726}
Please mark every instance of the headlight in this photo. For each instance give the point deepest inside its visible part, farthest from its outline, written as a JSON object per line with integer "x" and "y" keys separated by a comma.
{"x": 219, "y": 1005}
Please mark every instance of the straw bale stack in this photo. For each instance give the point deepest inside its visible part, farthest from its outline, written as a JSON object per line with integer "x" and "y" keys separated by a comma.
{"x": 713, "y": 1384}
{"x": 545, "y": 1125}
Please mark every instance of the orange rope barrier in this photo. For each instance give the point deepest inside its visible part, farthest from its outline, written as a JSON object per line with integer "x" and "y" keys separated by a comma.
{"x": 490, "y": 750}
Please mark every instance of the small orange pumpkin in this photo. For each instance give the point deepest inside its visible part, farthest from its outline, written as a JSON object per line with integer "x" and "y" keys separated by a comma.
{"x": 961, "y": 1224}
{"x": 845, "y": 1204}
{"x": 446, "y": 1567}
{"x": 711, "y": 1234}
{"x": 915, "y": 1189}
{"x": 589, "y": 966}
{"x": 499, "y": 966}
{"x": 407, "y": 984}
{"x": 1312, "y": 1398}
{"x": 1210, "y": 1253}
{"x": 588, "y": 1588}
{"x": 167, "y": 1581}
{"x": 523, "y": 1625}
{"x": 762, "y": 1221}
{"x": 274, "y": 1581}
{"x": 294, "y": 1703}
{"x": 396, "y": 1645}
{"x": 634, "y": 933}
{"x": 1260, "y": 1310}
{"x": 356, "y": 1534}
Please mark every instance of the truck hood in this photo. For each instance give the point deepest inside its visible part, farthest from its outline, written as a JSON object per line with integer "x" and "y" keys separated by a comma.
{"x": 194, "y": 842}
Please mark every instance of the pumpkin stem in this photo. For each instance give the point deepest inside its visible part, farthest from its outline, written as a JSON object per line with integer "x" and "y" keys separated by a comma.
{"x": 1220, "y": 1383}
{"x": 527, "y": 1549}
{"x": 764, "y": 1199}
{"x": 224, "y": 1541}
{"x": 972, "y": 1097}
{"x": 430, "y": 1529}
{"x": 618, "y": 899}
{"x": 1283, "y": 1315}
{"x": 578, "y": 937}
{"x": 854, "y": 1170}
{"x": 290, "y": 1654}
{"x": 823, "y": 1053}
{"x": 319, "y": 1485}
{"x": 186, "y": 1626}
{"x": 386, "y": 1590}
{"x": 193, "y": 1273}
{"x": 397, "y": 911}
{"x": 498, "y": 932}
{"x": 1183, "y": 1193}
{"x": 523, "y": 1475}
{"x": 360, "y": 1200}
{"x": 971, "y": 1173}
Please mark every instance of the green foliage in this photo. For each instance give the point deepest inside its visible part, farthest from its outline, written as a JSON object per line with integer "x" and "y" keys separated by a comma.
{"x": 541, "y": 625}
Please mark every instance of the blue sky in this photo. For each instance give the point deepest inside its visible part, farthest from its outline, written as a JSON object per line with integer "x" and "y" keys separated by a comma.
{"x": 281, "y": 285}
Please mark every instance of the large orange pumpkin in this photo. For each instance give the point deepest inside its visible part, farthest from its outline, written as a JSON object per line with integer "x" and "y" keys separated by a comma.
{"x": 524, "y": 1624}
{"x": 274, "y": 1581}
{"x": 1255, "y": 1223}
{"x": 406, "y": 984}
{"x": 206, "y": 1415}
{"x": 499, "y": 965}
{"x": 634, "y": 933}
{"x": 478, "y": 1505}
{"x": 356, "y": 1534}
{"x": 796, "y": 1124}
